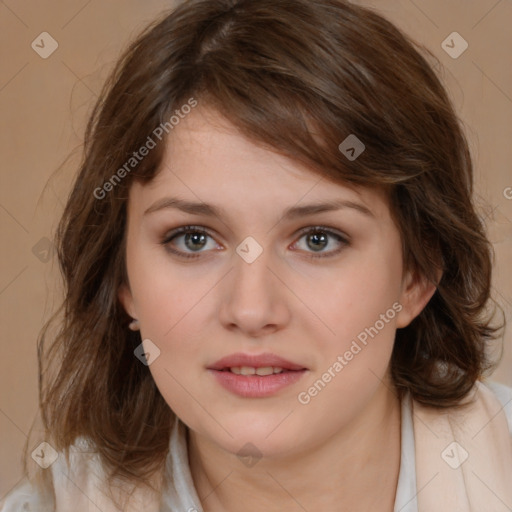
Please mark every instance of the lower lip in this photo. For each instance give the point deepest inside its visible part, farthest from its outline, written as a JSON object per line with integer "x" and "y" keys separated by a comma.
{"x": 256, "y": 386}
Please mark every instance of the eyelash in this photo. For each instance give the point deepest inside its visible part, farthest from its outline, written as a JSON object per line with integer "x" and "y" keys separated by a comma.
{"x": 199, "y": 229}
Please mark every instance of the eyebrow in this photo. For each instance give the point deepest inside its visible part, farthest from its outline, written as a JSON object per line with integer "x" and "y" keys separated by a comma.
{"x": 205, "y": 209}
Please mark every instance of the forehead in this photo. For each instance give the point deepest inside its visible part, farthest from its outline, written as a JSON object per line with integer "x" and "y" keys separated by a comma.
{"x": 208, "y": 160}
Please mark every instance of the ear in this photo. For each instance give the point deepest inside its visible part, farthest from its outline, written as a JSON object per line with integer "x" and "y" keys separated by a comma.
{"x": 125, "y": 297}
{"x": 417, "y": 290}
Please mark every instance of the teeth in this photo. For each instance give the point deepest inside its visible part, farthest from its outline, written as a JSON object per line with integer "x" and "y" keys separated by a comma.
{"x": 267, "y": 370}
{"x": 263, "y": 371}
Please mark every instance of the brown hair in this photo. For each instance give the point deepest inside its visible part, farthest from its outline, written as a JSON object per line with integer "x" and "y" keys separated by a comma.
{"x": 297, "y": 76}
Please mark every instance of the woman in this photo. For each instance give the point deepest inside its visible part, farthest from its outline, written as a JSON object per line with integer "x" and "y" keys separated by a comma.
{"x": 276, "y": 281}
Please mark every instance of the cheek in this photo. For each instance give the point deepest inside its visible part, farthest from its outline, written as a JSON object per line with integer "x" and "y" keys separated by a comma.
{"x": 360, "y": 310}
{"x": 167, "y": 295}
{"x": 173, "y": 315}
{"x": 362, "y": 295}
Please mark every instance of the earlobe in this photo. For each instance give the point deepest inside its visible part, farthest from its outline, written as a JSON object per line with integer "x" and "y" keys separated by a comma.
{"x": 126, "y": 299}
{"x": 416, "y": 294}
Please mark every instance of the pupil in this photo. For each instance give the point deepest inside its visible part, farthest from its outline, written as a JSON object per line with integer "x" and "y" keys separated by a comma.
{"x": 197, "y": 239}
{"x": 318, "y": 238}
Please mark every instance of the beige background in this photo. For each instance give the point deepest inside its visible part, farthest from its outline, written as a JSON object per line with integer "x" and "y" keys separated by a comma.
{"x": 45, "y": 102}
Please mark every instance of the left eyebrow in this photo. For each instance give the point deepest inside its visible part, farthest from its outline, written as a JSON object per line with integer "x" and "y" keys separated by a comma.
{"x": 208, "y": 210}
{"x": 311, "y": 209}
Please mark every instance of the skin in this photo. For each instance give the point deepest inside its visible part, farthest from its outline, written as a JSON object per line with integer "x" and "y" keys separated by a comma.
{"x": 341, "y": 451}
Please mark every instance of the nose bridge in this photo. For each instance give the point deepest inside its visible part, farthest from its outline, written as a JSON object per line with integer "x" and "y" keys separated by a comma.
{"x": 254, "y": 298}
{"x": 251, "y": 273}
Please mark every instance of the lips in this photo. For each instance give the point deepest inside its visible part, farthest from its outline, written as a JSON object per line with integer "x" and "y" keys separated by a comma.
{"x": 256, "y": 376}
{"x": 241, "y": 360}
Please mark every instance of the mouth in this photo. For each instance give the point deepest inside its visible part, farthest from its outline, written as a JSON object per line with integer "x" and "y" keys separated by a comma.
{"x": 261, "y": 371}
{"x": 251, "y": 364}
{"x": 252, "y": 376}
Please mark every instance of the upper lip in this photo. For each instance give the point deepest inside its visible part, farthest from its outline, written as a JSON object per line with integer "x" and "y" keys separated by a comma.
{"x": 254, "y": 361}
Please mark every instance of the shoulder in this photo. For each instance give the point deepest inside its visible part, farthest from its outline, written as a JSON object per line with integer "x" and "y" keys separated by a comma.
{"x": 24, "y": 497}
{"x": 79, "y": 485}
{"x": 504, "y": 394}
{"x": 27, "y": 496}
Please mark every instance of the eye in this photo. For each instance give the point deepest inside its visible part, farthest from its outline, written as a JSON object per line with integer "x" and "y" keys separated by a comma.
{"x": 188, "y": 238}
{"x": 317, "y": 238}
{"x": 191, "y": 241}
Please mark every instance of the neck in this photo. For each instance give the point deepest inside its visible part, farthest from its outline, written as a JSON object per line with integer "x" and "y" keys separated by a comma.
{"x": 356, "y": 469}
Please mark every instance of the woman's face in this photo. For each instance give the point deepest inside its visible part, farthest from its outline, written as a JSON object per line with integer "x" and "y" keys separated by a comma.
{"x": 263, "y": 281}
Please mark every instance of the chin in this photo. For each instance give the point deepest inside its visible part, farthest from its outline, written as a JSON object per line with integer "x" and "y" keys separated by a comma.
{"x": 268, "y": 436}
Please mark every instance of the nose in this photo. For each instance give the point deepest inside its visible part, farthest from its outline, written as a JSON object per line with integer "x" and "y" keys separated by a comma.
{"x": 254, "y": 297}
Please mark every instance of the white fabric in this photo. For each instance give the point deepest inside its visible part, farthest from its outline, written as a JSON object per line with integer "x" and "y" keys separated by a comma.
{"x": 180, "y": 494}
{"x": 405, "y": 499}
{"x": 464, "y": 455}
